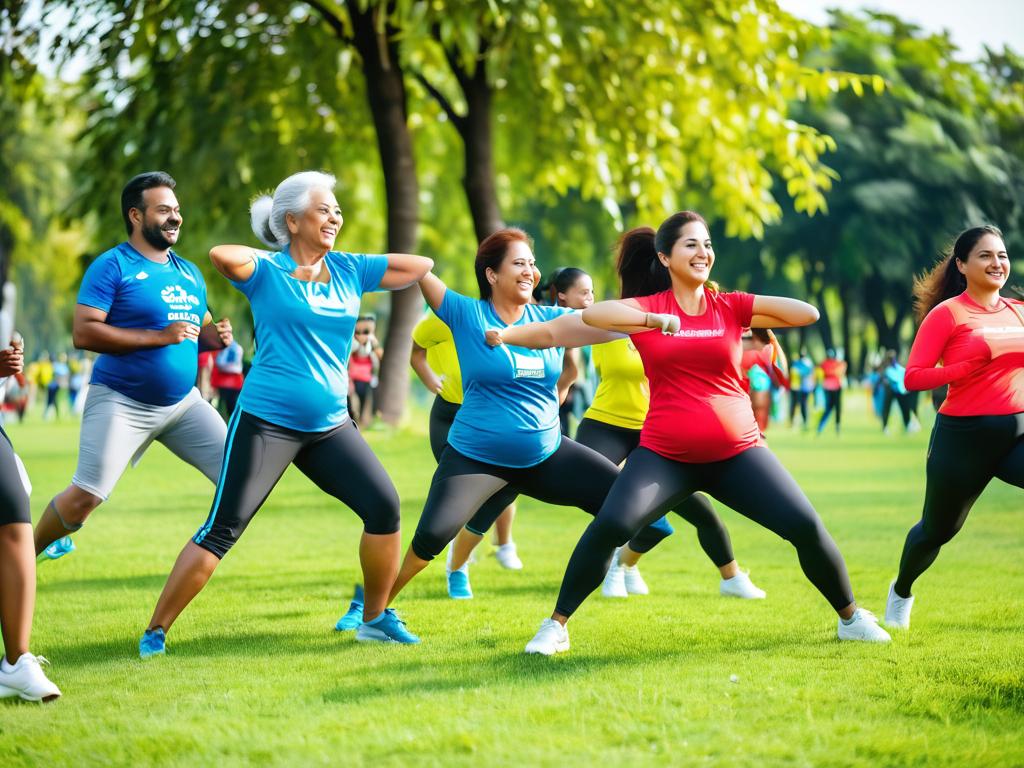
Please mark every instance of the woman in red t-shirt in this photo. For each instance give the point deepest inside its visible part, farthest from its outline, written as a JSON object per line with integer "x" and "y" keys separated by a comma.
{"x": 979, "y": 430}
{"x": 700, "y": 433}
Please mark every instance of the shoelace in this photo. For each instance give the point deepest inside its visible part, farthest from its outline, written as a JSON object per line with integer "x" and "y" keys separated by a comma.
{"x": 868, "y": 615}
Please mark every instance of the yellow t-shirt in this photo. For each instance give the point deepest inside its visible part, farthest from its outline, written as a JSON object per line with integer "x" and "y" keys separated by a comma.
{"x": 436, "y": 337}
{"x": 623, "y": 394}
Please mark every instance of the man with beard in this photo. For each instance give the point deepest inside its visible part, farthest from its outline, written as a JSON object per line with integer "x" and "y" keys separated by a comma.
{"x": 143, "y": 308}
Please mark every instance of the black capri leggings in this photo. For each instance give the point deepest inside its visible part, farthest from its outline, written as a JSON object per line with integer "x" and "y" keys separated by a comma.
{"x": 615, "y": 444}
{"x": 442, "y": 414}
{"x": 753, "y": 483}
{"x": 572, "y": 476}
{"x": 256, "y": 455}
{"x": 964, "y": 454}
{"x": 14, "y": 506}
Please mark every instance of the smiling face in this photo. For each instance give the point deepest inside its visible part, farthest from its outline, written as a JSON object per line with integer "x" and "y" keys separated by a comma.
{"x": 516, "y": 275}
{"x": 318, "y": 226}
{"x": 692, "y": 256}
{"x": 579, "y": 295}
{"x": 159, "y": 219}
{"x": 988, "y": 266}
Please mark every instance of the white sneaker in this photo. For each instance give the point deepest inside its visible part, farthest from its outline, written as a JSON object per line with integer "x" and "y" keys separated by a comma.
{"x": 26, "y": 679}
{"x": 634, "y": 582}
{"x": 897, "y": 609}
{"x": 614, "y": 584}
{"x": 742, "y": 587}
{"x": 508, "y": 557}
{"x": 550, "y": 639}
{"x": 864, "y": 627}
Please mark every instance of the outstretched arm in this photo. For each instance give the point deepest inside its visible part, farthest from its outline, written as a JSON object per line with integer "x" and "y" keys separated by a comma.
{"x": 235, "y": 262}
{"x": 782, "y": 312}
{"x": 404, "y": 269}
{"x": 433, "y": 290}
{"x": 626, "y": 316}
{"x": 566, "y": 330}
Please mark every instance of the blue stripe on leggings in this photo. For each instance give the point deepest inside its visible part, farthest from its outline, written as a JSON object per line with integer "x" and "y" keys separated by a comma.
{"x": 232, "y": 428}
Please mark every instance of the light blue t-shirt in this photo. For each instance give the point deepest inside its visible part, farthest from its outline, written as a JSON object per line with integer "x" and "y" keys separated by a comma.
{"x": 299, "y": 377}
{"x": 509, "y": 413}
{"x": 138, "y": 293}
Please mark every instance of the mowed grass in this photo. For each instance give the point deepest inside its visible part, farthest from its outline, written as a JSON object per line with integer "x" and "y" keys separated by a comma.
{"x": 255, "y": 673}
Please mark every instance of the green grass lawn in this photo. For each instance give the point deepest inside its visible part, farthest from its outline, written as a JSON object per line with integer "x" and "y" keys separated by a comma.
{"x": 255, "y": 673}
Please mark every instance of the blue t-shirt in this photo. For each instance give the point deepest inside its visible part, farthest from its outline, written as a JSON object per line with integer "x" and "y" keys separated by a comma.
{"x": 299, "y": 377}
{"x": 509, "y": 413}
{"x": 138, "y": 293}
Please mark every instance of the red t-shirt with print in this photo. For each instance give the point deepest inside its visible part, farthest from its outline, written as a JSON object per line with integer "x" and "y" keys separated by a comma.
{"x": 700, "y": 411}
{"x": 982, "y": 354}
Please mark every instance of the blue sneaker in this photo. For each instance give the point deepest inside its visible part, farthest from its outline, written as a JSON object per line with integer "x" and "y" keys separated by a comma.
{"x": 59, "y": 548}
{"x": 352, "y": 619}
{"x": 458, "y": 585}
{"x": 386, "y": 628}
{"x": 152, "y": 643}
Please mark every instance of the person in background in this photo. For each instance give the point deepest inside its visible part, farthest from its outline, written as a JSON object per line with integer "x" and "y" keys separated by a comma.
{"x": 833, "y": 371}
{"x": 363, "y": 365}
{"x": 226, "y": 378}
{"x": 801, "y": 389}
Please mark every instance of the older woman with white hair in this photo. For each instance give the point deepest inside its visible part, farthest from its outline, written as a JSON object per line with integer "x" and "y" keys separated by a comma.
{"x": 292, "y": 410}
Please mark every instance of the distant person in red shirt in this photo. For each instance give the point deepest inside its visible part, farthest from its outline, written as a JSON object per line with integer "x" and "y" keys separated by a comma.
{"x": 700, "y": 433}
{"x": 226, "y": 377}
{"x": 833, "y": 371}
{"x": 978, "y": 336}
{"x": 363, "y": 364}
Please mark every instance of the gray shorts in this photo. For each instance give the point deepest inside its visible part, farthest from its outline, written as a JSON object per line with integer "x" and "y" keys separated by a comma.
{"x": 117, "y": 429}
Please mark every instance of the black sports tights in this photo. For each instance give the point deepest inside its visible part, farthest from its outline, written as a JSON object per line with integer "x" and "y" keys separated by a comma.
{"x": 753, "y": 483}
{"x": 615, "y": 444}
{"x": 965, "y": 452}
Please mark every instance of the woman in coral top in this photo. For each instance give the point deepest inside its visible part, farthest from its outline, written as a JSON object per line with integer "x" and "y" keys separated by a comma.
{"x": 700, "y": 433}
{"x": 978, "y": 336}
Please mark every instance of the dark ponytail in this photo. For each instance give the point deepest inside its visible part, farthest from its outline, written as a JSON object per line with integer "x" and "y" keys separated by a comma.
{"x": 944, "y": 280}
{"x": 640, "y": 270}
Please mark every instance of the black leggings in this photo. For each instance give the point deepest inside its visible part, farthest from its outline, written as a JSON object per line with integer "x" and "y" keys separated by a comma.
{"x": 615, "y": 444}
{"x": 14, "y": 506}
{"x": 442, "y": 414}
{"x": 833, "y": 402}
{"x": 753, "y": 483}
{"x": 572, "y": 476}
{"x": 798, "y": 400}
{"x": 256, "y": 455}
{"x": 964, "y": 454}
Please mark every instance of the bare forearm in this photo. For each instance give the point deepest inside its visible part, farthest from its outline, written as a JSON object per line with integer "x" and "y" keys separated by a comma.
{"x": 531, "y": 336}
{"x": 105, "y": 338}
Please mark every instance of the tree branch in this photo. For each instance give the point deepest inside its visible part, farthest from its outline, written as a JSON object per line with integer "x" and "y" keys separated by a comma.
{"x": 459, "y": 121}
{"x": 331, "y": 19}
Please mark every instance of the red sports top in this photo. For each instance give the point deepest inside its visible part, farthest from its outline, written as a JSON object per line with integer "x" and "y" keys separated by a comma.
{"x": 360, "y": 367}
{"x": 982, "y": 354}
{"x": 832, "y": 371}
{"x": 699, "y": 411}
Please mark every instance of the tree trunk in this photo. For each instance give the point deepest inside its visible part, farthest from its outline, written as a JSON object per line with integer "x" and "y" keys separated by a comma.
{"x": 477, "y": 138}
{"x": 844, "y": 325}
{"x": 825, "y": 323}
{"x": 385, "y": 90}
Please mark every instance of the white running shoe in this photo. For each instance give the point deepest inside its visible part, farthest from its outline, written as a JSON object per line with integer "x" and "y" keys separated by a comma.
{"x": 508, "y": 557}
{"x": 635, "y": 584}
{"x": 863, "y": 627}
{"x": 742, "y": 587}
{"x": 897, "y": 609}
{"x": 614, "y": 584}
{"x": 25, "y": 678}
{"x": 550, "y": 639}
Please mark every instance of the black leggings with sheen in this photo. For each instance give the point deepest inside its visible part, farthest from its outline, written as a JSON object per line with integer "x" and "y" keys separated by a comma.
{"x": 754, "y": 483}
{"x": 14, "y": 506}
{"x": 615, "y": 444}
{"x": 256, "y": 455}
{"x": 964, "y": 454}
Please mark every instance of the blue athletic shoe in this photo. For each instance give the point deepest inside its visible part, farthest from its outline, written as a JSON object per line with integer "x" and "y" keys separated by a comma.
{"x": 386, "y": 628}
{"x": 59, "y": 548}
{"x": 152, "y": 643}
{"x": 458, "y": 585}
{"x": 352, "y": 619}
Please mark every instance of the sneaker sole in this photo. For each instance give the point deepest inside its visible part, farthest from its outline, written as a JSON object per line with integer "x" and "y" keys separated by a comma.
{"x": 380, "y": 637}
{"x": 560, "y": 648}
{"x": 7, "y": 692}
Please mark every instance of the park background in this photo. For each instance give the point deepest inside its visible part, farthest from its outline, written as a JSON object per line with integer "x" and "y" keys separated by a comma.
{"x": 835, "y": 159}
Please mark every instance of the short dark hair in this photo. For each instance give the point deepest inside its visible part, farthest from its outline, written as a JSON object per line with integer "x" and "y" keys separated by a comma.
{"x": 131, "y": 195}
{"x": 492, "y": 252}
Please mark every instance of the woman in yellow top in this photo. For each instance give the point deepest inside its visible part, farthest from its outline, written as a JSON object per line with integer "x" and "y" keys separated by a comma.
{"x": 611, "y": 426}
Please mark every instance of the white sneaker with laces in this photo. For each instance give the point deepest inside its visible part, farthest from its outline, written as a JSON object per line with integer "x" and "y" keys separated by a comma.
{"x": 25, "y": 678}
{"x": 635, "y": 584}
{"x": 508, "y": 557}
{"x": 550, "y": 639}
{"x": 614, "y": 584}
{"x": 897, "y": 609}
{"x": 742, "y": 587}
{"x": 863, "y": 627}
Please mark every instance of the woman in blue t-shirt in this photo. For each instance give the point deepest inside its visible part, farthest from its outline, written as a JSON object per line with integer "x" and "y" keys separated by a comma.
{"x": 507, "y": 430}
{"x": 292, "y": 409}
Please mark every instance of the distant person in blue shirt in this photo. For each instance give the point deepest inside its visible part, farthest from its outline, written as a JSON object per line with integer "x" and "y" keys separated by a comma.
{"x": 143, "y": 308}
{"x": 507, "y": 431}
{"x": 305, "y": 300}
{"x": 894, "y": 391}
{"x": 802, "y": 383}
